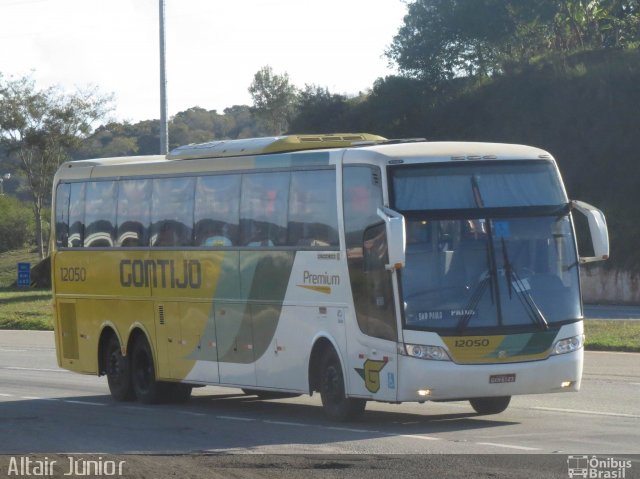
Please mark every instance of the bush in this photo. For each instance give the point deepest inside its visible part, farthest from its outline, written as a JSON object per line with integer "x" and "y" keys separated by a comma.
{"x": 16, "y": 224}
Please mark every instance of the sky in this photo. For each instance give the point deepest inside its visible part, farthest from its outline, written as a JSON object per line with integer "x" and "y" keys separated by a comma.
{"x": 213, "y": 47}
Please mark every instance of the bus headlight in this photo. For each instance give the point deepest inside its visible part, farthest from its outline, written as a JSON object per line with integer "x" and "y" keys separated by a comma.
{"x": 568, "y": 345}
{"x": 435, "y": 353}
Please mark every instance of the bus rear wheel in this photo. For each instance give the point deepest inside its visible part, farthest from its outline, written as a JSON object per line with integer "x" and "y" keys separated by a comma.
{"x": 118, "y": 371}
{"x": 143, "y": 373}
{"x": 493, "y": 405}
{"x": 332, "y": 391}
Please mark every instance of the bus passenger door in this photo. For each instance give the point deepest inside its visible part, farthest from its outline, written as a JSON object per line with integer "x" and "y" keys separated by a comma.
{"x": 373, "y": 349}
{"x": 372, "y": 335}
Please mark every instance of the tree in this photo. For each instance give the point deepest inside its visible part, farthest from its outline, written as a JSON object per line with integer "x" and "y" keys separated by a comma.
{"x": 273, "y": 99}
{"x": 319, "y": 111}
{"x": 16, "y": 226}
{"x": 442, "y": 39}
{"x": 39, "y": 127}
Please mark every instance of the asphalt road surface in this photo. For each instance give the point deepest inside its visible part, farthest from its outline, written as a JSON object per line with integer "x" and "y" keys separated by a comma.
{"x": 49, "y": 412}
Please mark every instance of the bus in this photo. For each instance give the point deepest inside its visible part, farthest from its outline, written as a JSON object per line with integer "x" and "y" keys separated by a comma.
{"x": 361, "y": 268}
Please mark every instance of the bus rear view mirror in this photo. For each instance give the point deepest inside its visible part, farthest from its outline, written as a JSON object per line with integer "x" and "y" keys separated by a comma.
{"x": 597, "y": 229}
{"x": 394, "y": 224}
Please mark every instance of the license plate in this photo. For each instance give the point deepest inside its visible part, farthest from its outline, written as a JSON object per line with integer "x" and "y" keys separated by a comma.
{"x": 502, "y": 378}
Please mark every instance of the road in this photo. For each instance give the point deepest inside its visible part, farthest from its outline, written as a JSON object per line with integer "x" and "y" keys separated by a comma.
{"x": 46, "y": 410}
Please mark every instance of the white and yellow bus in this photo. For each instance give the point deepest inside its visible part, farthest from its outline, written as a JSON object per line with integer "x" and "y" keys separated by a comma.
{"x": 349, "y": 265}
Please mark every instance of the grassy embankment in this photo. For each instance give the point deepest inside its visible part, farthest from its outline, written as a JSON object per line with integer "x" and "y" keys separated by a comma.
{"x": 22, "y": 308}
{"x": 30, "y": 309}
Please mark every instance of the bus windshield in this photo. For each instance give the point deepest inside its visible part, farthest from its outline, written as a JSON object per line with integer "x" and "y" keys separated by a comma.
{"x": 494, "y": 250}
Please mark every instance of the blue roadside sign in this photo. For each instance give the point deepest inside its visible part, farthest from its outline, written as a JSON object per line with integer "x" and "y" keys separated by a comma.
{"x": 24, "y": 275}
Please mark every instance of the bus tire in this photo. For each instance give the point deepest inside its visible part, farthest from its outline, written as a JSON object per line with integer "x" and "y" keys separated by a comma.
{"x": 336, "y": 405}
{"x": 269, "y": 394}
{"x": 118, "y": 371}
{"x": 143, "y": 374}
{"x": 492, "y": 405}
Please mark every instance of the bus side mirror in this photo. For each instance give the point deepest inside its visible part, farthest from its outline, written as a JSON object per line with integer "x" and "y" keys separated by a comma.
{"x": 396, "y": 240}
{"x": 597, "y": 229}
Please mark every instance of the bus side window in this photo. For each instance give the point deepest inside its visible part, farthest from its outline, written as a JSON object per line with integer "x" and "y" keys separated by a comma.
{"x": 62, "y": 215}
{"x": 133, "y": 212}
{"x": 171, "y": 212}
{"x": 100, "y": 214}
{"x": 76, "y": 215}
{"x": 217, "y": 210}
{"x": 263, "y": 209}
{"x": 313, "y": 218}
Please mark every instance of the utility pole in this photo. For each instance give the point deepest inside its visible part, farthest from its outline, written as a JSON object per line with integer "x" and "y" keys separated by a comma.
{"x": 164, "y": 130}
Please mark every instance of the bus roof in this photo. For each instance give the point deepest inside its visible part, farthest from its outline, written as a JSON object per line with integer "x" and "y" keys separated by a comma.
{"x": 361, "y": 147}
{"x": 274, "y": 144}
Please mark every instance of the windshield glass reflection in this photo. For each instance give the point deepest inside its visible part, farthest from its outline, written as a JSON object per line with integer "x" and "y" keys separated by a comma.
{"x": 475, "y": 273}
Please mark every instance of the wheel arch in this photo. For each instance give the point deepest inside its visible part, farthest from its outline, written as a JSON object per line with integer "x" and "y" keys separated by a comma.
{"x": 107, "y": 330}
{"x": 137, "y": 330}
{"x": 321, "y": 343}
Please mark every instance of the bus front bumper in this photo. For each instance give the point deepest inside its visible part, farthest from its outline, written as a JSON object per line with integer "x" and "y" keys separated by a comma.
{"x": 424, "y": 380}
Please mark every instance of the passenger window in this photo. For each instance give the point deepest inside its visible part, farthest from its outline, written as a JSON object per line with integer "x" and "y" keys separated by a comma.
{"x": 134, "y": 201}
{"x": 217, "y": 210}
{"x": 100, "y": 214}
{"x": 62, "y": 215}
{"x": 76, "y": 215}
{"x": 172, "y": 212}
{"x": 263, "y": 209}
{"x": 313, "y": 217}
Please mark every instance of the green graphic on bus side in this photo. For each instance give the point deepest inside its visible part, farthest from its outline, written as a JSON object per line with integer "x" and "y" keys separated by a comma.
{"x": 370, "y": 372}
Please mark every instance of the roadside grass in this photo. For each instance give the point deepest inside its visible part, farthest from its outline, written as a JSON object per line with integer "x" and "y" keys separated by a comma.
{"x": 22, "y": 308}
{"x": 25, "y": 309}
{"x": 612, "y": 335}
{"x": 9, "y": 261}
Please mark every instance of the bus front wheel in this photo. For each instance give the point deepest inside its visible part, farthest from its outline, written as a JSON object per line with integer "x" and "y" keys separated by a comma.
{"x": 332, "y": 391}
{"x": 118, "y": 371}
{"x": 492, "y": 405}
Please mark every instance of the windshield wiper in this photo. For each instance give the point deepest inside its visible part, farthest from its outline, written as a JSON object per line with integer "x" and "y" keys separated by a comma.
{"x": 477, "y": 195}
{"x": 488, "y": 279}
{"x": 527, "y": 301}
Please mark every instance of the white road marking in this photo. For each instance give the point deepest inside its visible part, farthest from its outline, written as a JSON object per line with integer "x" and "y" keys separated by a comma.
{"x": 508, "y": 446}
{"x": 635, "y": 384}
{"x": 286, "y": 423}
{"x": 582, "y": 411}
{"x": 14, "y": 350}
{"x": 16, "y": 368}
{"x": 236, "y": 418}
{"x": 6, "y": 395}
{"x": 86, "y": 403}
{"x": 335, "y": 428}
{"x": 189, "y": 413}
{"x": 416, "y": 436}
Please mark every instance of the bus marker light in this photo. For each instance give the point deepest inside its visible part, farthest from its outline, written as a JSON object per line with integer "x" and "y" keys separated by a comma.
{"x": 566, "y": 384}
{"x": 424, "y": 392}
